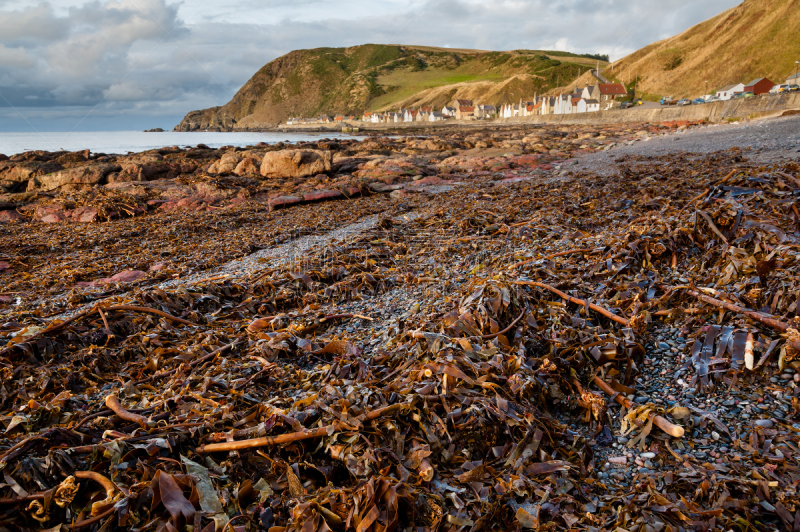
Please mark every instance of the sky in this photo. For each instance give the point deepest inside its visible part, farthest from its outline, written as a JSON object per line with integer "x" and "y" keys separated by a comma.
{"x": 73, "y": 65}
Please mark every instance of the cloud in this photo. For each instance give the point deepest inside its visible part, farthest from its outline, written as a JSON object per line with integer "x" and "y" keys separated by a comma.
{"x": 160, "y": 58}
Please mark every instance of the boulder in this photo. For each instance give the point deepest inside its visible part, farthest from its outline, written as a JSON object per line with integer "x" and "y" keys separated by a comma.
{"x": 226, "y": 165}
{"x": 248, "y": 166}
{"x": 10, "y": 217}
{"x": 85, "y": 214}
{"x": 4, "y": 266}
{"x": 3, "y": 157}
{"x": 74, "y": 178}
{"x": 296, "y": 163}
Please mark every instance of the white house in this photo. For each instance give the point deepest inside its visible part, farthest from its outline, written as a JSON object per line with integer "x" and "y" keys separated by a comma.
{"x": 730, "y": 91}
{"x": 449, "y": 111}
{"x": 410, "y": 115}
{"x": 588, "y": 106}
{"x": 436, "y": 117}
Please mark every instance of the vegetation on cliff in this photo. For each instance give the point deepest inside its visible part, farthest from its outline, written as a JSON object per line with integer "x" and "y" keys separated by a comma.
{"x": 374, "y": 77}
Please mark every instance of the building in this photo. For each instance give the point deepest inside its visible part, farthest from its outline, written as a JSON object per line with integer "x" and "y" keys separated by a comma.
{"x": 726, "y": 93}
{"x": 449, "y": 111}
{"x": 410, "y": 115}
{"x": 610, "y": 92}
{"x": 436, "y": 117}
{"x": 759, "y": 86}
{"x": 794, "y": 79}
{"x": 485, "y": 111}
{"x": 590, "y": 92}
{"x": 588, "y": 105}
{"x": 464, "y": 103}
{"x": 465, "y": 112}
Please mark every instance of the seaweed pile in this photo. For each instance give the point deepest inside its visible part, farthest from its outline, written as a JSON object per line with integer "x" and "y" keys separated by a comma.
{"x": 564, "y": 352}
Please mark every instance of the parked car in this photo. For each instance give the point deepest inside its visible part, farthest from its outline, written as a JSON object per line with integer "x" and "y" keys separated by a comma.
{"x": 667, "y": 100}
{"x": 777, "y": 89}
{"x": 793, "y": 88}
{"x": 685, "y": 101}
{"x": 626, "y": 105}
{"x": 698, "y": 101}
{"x": 747, "y": 94}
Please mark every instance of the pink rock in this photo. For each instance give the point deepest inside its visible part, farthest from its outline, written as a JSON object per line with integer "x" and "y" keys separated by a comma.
{"x": 4, "y": 266}
{"x": 353, "y": 191}
{"x": 10, "y": 216}
{"x": 85, "y": 214}
{"x": 158, "y": 266}
{"x": 51, "y": 215}
{"x": 618, "y": 460}
{"x": 284, "y": 201}
{"x": 430, "y": 180}
{"x": 323, "y": 195}
{"x": 128, "y": 276}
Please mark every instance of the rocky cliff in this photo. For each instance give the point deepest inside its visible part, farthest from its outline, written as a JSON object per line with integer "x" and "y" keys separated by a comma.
{"x": 375, "y": 77}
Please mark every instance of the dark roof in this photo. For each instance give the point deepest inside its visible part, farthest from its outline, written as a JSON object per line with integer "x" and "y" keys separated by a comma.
{"x": 592, "y": 102}
{"x": 465, "y": 103}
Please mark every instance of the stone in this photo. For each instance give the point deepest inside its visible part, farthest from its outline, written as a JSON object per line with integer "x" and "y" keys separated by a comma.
{"x": 85, "y": 214}
{"x": 226, "y": 165}
{"x": 128, "y": 276}
{"x": 51, "y": 215}
{"x": 284, "y": 201}
{"x": 618, "y": 460}
{"x": 323, "y": 195}
{"x": 3, "y": 157}
{"x": 764, "y": 423}
{"x": 296, "y": 163}
{"x": 4, "y": 266}
{"x": 247, "y": 166}
{"x": 158, "y": 266}
{"x": 73, "y": 178}
{"x": 10, "y": 217}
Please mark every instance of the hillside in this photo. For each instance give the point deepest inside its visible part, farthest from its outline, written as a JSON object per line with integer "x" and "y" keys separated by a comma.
{"x": 377, "y": 77}
{"x": 755, "y": 39}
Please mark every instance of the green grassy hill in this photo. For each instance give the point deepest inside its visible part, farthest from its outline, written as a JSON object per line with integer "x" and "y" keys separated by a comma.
{"x": 382, "y": 77}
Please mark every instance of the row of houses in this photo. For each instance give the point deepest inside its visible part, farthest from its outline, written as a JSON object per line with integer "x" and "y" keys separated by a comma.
{"x": 582, "y": 100}
{"x": 757, "y": 86}
{"x": 322, "y": 119}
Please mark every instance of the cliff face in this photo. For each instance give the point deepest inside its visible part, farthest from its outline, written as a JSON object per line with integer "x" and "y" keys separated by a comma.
{"x": 348, "y": 81}
{"x": 755, "y": 39}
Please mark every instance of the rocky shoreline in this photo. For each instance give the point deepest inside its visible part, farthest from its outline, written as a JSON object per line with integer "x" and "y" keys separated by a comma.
{"x": 87, "y": 187}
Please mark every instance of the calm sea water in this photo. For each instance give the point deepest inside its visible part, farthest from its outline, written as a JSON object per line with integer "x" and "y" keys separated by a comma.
{"x": 121, "y": 142}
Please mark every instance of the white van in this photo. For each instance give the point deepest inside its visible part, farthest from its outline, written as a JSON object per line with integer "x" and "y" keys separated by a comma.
{"x": 778, "y": 89}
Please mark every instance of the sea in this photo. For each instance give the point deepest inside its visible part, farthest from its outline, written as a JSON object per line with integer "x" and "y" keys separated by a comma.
{"x": 123, "y": 142}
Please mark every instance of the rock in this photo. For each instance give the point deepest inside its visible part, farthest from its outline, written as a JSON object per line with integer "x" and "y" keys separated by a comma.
{"x": 10, "y": 217}
{"x": 226, "y": 165}
{"x": 158, "y": 266}
{"x": 284, "y": 201}
{"x": 764, "y": 423}
{"x": 3, "y": 157}
{"x": 618, "y": 460}
{"x": 323, "y": 195}
{"x": 247, "y": 166}
{"x": 73, "y": 178}
{"x": 50, "y": 215}
{"x": 85, "y": 214}
{"x": 4, "y": 266}
{"x": 128, "y": 276}
{"x": 296, "y": 163}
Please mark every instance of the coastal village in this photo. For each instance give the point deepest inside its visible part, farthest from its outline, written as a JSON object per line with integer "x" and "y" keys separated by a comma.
{"x": 589, "y": 99}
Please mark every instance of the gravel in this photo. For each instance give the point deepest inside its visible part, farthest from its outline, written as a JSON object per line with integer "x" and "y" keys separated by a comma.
{"x": 766, "y": 141}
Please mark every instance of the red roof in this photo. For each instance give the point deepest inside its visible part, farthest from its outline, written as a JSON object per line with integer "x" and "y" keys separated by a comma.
{"x": 612, "y": 89}
{"x": 426, "y": 109}
{"x": 468, "y": 109}
{"x": 575, "y": 101}
{"x": 464, "y": 103}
